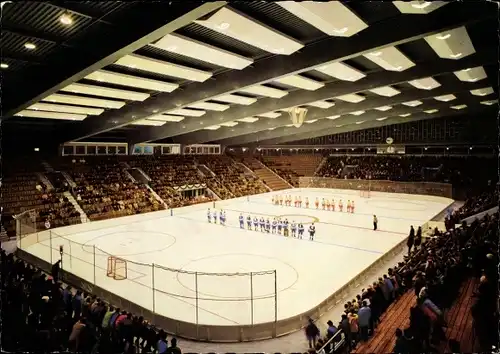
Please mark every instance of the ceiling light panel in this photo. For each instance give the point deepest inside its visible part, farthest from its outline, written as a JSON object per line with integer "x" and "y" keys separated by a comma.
{"x": 229, "y": 124}
{"x": 82, "y": 101}
{"x": 430, "y": 111}
{"x": 66, "y": 109}
{"x": 311, "y": 121}
{"x": 132, "y": 81}
{"x": 154, "y": 123}
{"x": 482, "y": 92}
{"x": 445, "y": 98}
{"x": 386, "y": 91}
{"x": 186, "y": 112}
{"x": 321, "y": 104}
{"x": 357, "y": 113}
{"x": 418, "y": 7}
{"x": 333, "y": 117}
{"x": 471, "y": 74}
{"x": 381, "y": 119}
{"x": 264, "y": 91}
{"x": 330, "y": 17}
{"x": 405, "y": 115}
{"x": 212, "y": 127}
{"x": 460, "y": 106}
{"x": 427, "y": 83}
{"x": 233, "y": 24}
{"x": 248, "y": 120}
{"x": 188, "y": 47}
{"x": 166, "y": 118}
{"x": 352, "y": 98}
{"x": 361, "y": 122}
{"x": 490, "y": 102}
{"x": 453, "y": 44}
{"x": 246, "y": 101}
{"x": 300, "y": 82}
{"x": 412, "y": 103}
{"x": 50, "y": 115}
{"x": 390, "y": 58}
{"x": 209, "y": 106}
{"x": 105, "y": 92}
{"x": 383, "y": 108}
{"x": 163, "y": 68}
{"x": 341, "y": 71}
{"x": 271, "y": 115}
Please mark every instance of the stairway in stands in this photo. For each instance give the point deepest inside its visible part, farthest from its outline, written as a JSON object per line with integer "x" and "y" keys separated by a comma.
{"x": 72, "y": 200}
{"x": 271, "y": 179}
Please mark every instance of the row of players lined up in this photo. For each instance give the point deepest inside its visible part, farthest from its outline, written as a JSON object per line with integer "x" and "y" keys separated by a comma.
{"x": 278, "y": 226}
{"x": 326, "y": 204}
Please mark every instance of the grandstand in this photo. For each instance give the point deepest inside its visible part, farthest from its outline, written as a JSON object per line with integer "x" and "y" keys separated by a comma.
{"x": 149, "y": 150}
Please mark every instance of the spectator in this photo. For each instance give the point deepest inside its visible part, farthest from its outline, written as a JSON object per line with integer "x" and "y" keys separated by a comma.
{"x": 411, "y": 239}
{"x": 312, "y": 333}
{"x": 173, "y": 349}
{"x": 364, "y": 321}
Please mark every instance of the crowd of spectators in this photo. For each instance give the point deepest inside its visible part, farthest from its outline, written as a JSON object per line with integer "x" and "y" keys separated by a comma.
{"x": 40, "y": 315}
{"x": 433, "y": 272}
{"x": 292, "y": 167}
{"x": 105, "y": 191}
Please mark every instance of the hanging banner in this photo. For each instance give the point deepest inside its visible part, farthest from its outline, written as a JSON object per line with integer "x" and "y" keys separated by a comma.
{"x": 391, "y": 149}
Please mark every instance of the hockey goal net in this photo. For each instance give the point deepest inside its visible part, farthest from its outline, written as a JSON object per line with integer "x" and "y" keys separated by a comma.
{"x": 364, "y": 194}
{"x": 117, "y": 268}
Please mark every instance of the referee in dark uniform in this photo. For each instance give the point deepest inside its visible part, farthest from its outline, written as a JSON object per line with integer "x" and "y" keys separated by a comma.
{"x": 375, "y": 222}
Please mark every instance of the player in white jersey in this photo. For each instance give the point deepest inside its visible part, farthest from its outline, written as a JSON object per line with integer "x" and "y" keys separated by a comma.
{"x": 222, "y": 219}
{"x": 262, "y": 224}
{"x": 280, "y": 226}
{"x": 209, "y": 215}
{"x": 214, "y": 216}
{"x": 301, "y": 230}
{"x": 255, "y": 223}
{"x": 249, "y": 222}
{"x": 242, "y": 221}
{"x": 268, "y": 225}
{"x": 274, "y": 226}
{"x": 293, "y": 228}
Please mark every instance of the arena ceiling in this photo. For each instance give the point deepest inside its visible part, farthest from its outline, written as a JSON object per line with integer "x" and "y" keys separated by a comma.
{"x": 229, "y": 73}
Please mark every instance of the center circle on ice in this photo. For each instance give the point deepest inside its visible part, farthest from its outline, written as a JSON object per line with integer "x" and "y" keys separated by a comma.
{"x": 129, "y": 242}
{"x": 217, "y": 279}
{"x": 393, "y": 204}
{"x": 298, "y": 218}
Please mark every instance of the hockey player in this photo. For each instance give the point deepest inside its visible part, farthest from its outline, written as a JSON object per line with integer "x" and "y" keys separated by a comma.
{"x": 222, "y": 218}
{"x": 327, "y": 204}
{"x": 316, "y": 203}
{"x": 275, "y": 225}
{"x": 296, "y": 202}
{"x": 352, "y": 207}
{"x": 312, "y": 231}
{"x": 285, "y": 228}
{"x": 307, "y": 203}
{"x": 301, "y": 230}
{"x": 280, "y": 226}
{"x": 333, "y": 204}
{"x": 293, "y": 228}
{"x": 300, "y": 201}
{"x": 323, "y": 203}
{"x": 262, "y": 224}
{"x": 209, "y": 216}
{"x": 281, "y": 200}
{"x": 268, "y": 226}
{"x": 249, "y": 222}
{"x": 272, "y": 200}
{"x": 255, "y": 223}
{"x": 341, "y": 205}
{"x": 214, "y": 216}
{"x": 242, "y": 221}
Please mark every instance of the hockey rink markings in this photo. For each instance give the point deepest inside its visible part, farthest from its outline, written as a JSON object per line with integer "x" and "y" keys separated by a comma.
{"x": 305, "y": 237}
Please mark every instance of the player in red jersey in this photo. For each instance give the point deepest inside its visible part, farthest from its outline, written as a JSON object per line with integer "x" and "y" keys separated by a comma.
{"x": 333, "y": 204}
{"x": 323, "y": 203}
{"x": 352, "y": 207}
{"x": 316, "y": 203}
{"x": 328, "y": 204}
{"x": 348, "y": 208}
{"x": 341, "y": 205}
{"x": 300, "y": 201}
{"x": 307, "y": 202}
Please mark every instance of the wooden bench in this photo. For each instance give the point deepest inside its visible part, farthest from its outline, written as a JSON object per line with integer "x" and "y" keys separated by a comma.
{"x": 396, "y": 316}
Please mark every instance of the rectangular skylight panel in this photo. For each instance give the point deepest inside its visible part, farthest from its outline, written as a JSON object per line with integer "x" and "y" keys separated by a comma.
{"x": 445, "y": 98}
{"x": 357, "y": 113}
{"x": 233, "y": 24}
{"x": 50, "y": 115}
{"x": 187, "y": 112}
{"x": 452, "y": 44}
{"x": 300, "y": 82}
{"x": 166, "y": 118}
{"x": 330, "y": 17}
{"x": 471, "y": 74}
{"x": 390, "y": 58}
{"x": 322, "y": 104}
{"x": 353, "y": 98}
{"x": 83, "y": 101}
{"x": 246, "y": 101}
{"x": 383, "y": 108}
{"x": 65, "y": 109}
{"x": 105, "y": 92}
{"x": 210, "y": 106}
{"x": 412, "y": 103}
{"x": 154, "y": 123}
{"x": 248, "y": 119}
{"x": 135, "y": 61}
{"x": 212, "y": 127}
{"x": 482, "y": 92}
{"x": 131, "y": 81}
{"x": 229, "y": 124}
{"x": 460, "y": 106}
{"x": 333, "y": 117}
{"x": 427, "y": 83}
{"x": 381, "y": 119}
{"x": 489, "y": 103}
{"x": 341, "y": 71}
{"x": 264, "y": 91}
{"x": 386, "y": 91}
{"x": 271, "y": 115}
{"x": 311, "y": 121}
{"x": 405, "y": 115}
{"x": 430, "y": 111}
{"x": 188, "y": 47}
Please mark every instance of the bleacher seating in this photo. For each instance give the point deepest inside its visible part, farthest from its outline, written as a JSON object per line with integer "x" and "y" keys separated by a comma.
{"x": 271, "y": 179}
{"x": 290, "y": 168}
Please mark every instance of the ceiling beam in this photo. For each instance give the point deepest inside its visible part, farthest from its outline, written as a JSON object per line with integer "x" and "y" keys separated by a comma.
{"x": 127, "y": 39}
{"x": 301, "y": 97}
{"x": 350, "y": 120}
{"x": 409, "y": 28}
{"x": 310, "y": 132}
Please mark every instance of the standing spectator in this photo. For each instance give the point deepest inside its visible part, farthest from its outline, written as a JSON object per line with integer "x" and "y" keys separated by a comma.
{"x": 353, "y": 325}
{"x": 56, "y": 267}
{"x": 312, "y": 333}
{"x": 418, "y": 238}
{"x": 375, "y": 222}
{"x": 75, "y": 338}
{"x": 173, "y": 349}
{"x": 364, "y": 320}
{"x": 162, "y": 344}
{"x": 411, "y": 239}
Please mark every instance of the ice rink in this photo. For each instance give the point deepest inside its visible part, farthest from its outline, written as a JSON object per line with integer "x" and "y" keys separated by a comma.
{"x": 307, "y": 272}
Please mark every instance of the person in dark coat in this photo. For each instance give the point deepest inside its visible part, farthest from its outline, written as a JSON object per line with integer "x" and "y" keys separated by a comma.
{"x": 418, "y": 238}
{"x": 312, "y": 333}
{"x": 401, "y": 343}
{"x": 56, "y": 267}
{"x": 411, "y": 239}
